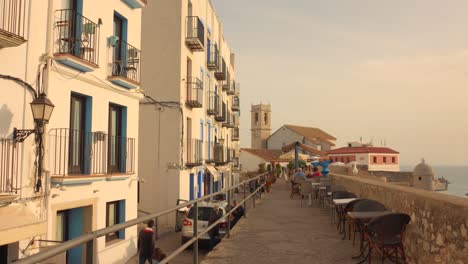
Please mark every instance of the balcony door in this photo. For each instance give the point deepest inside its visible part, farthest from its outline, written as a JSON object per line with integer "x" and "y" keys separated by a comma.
{"x": 189, "y": 140}
{"x": 77, "y": 135}
{"x": 115, "y": 138}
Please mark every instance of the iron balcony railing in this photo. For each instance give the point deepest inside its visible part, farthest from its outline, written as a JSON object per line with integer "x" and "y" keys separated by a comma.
{"x": 76, "y": 152}
{"x": 235, "y": 120}
{"x": 9, "y": 181}
{"x": 77, "y": 36}
{"x": 221, "y": 116}
{"x": 194, "y": 93}
{"x": 212, "y": 60}
{"x": 209, "y": 157}
{"x": 235, "y": 103}
{"x": 89, "y": 240}
{"x": 126, "y": 62}
{"x": 220, "y": 73}
{"x": 235, "y": 134}
{"x": 195, "y": 34}
{"x": 213, "y": 103}
{"x": 12, "y": 22}
{"x": 229, "y": 122}
{"x": 232, "y": 88}
{"x": 194, "y": 152}
{"x": 219, "y": 154}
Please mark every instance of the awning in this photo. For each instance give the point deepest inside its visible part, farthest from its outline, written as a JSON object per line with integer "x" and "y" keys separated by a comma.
{"x": 213, "y": 172}
{"x": 291, "y": 155}
{"x": 19, "y": 223}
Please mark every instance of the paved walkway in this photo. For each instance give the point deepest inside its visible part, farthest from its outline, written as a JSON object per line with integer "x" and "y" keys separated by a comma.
{"x": 278, "y": 230}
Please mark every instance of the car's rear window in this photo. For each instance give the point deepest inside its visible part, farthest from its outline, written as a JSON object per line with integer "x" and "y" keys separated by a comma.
{"x": 203, "y": 213}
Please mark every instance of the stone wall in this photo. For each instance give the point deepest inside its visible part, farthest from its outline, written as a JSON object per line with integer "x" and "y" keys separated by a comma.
{"x": 439, "y": 222}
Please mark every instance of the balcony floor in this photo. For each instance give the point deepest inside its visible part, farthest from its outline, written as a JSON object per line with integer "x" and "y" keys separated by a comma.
{"x": 278, "y": 230}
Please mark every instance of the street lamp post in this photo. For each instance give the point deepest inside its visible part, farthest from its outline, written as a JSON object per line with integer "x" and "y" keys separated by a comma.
{"x": 42, "y": 109}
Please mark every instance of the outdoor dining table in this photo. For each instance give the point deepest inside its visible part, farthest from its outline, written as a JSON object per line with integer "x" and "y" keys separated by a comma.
{"x": 365, "y": 217}
{"x": 342, "y": 203}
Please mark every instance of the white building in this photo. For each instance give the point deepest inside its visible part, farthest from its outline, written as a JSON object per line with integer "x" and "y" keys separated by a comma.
{"x": 374, "y": 158}
{"x": 85, "y": 55}
{"x": 190, "y": 121}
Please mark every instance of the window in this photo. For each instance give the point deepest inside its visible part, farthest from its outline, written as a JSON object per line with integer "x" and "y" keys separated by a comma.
{"x": 420, "y": 178}
{"x": 266, "y": 118}
{"x": 375, "y": 159}
{"x": 256, "y": 118}
{"x": 115, "y": 214}
{"x": 61, "y": 232}
{"x": 393, "y": 160}
{"x": 384, "y": 159}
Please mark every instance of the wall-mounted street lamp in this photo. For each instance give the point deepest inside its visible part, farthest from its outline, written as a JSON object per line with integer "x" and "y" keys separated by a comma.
{"x": 42, "y": 109}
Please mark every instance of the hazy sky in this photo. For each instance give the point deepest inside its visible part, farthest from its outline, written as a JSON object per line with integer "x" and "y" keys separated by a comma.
{"x": 394, "y": 70}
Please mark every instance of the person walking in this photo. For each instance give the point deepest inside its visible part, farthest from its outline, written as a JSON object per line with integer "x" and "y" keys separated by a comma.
{"x": 146, "y": 244}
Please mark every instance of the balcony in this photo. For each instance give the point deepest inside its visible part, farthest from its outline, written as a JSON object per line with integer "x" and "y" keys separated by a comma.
{"x": 134, "y": 4}
{"x": 212, "y": 62}
{"x": 228, "y": 86}
{"x": 78, "y": 153}
{"x": 233, "y": 88}
{"x": 209, "y": 152}
{"x": 235, "y": 134}
{"x": 12, "y": 23}
{"x": 229, "y": 122}
{"x": 221, "y": 117}
{"x": 77, "y": 41}
{"x": 194, "y": 153}
{"x": 126, "y": 66}
{"x": 9, "y": 180}
{"x": 213, "y": 103}
{"x": 235, "y": 103}
{"x": 195, "y": 35}
{"x": 219, "y": 154}
{"x": 220, "y": 73}
{"x": 194, "y": 93}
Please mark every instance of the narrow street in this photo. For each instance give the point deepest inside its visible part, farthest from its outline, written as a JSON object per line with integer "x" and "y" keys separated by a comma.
{"x": 169, "y": 240}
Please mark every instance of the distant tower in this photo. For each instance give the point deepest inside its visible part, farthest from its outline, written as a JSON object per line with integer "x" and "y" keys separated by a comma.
{"x": 260, "y": 125}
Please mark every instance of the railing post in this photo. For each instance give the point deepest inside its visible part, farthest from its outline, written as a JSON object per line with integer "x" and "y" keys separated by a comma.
{"x": 228, "y": 216}
{"x": 245, "y": 205}
{"x": 195, "y": 233}
{"x": 91, "y": 251}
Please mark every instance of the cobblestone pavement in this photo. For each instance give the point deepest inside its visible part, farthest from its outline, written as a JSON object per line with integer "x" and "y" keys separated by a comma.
{"x": 280, "y": 231}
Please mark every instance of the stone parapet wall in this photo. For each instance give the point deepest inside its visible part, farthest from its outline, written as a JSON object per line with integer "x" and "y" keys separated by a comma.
{"x": 439, "y": 222}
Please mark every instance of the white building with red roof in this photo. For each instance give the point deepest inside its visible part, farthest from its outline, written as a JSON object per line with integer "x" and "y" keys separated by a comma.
{"x": 375, "y": 158}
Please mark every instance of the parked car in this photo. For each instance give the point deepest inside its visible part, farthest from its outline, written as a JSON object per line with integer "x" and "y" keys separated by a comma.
{"x": 204, "y": 211}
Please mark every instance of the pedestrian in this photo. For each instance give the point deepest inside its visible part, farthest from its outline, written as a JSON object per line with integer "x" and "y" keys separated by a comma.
{"x": 316, "y": 173}
{"x": 214, "y": 232}
{"x": 146, "y": 243}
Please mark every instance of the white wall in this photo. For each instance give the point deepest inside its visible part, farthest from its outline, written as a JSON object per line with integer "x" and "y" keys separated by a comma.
{"x": 283, "y": 137}
{"x": 249, "y": 161}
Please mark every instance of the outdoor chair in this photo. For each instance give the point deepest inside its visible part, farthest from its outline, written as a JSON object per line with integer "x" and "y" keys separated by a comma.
{"x": 336, "y": 209}
{"x": 327, "y": 199}
{"x": 306, "y": 190}
{"x": 349, "y": 208}
{"x": 295, "y": 189}
{"x": 364, "y": 205}
{"x": 385, "y": 235}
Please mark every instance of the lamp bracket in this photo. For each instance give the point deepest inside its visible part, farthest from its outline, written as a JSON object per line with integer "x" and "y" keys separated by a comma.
{"x": 19, "y": 135}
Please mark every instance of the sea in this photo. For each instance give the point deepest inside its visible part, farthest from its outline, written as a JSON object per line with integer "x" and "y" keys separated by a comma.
{"x": 456, "y": 175}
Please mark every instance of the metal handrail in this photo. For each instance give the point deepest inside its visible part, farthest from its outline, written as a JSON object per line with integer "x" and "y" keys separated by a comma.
{"x": 90, "y": 239}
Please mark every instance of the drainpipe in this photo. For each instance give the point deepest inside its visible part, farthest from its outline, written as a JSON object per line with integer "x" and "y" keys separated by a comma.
{"x": 45, "y": 89}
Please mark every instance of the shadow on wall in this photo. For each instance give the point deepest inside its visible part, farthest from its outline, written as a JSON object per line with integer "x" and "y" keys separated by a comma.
{"x": 5, "y": 116}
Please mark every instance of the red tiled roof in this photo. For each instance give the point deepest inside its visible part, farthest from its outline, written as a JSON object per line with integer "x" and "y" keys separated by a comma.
{"x": 353, "y": 150}
{"x": 266, "y": 154}
{"x": 312, "y": 133}
{"x": 306, "y": 148}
